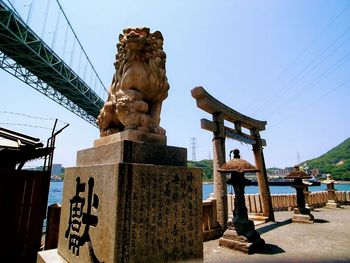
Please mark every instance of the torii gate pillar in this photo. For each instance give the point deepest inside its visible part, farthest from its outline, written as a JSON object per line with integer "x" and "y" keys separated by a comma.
{"x": 263, "y": 184}
{"x": 220, "y": 112}
{"x": 220, "y": 187}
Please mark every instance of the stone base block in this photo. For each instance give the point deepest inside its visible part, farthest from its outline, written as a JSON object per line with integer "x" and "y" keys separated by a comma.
{"x": 301, "y": 218}
{"x": 50, "y": 256}
{"x": 241, "y": 243}
{"x": 333, "y": 204}
{"x": 258, "y": 218}
{"x": 128, "y": 212}
{"x": 132, "y": 152}
{"x": 212, "y": 234}
{"x": 132, "y": 135}
{"x": 311, "y": 208}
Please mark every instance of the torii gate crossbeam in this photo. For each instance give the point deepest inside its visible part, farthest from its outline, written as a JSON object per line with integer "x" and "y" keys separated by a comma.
{"x": 220, "y": 112}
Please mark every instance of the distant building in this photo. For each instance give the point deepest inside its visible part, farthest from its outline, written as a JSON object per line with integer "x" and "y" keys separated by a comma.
{"x": 286, "y": 171}
{"x": 278, "y": 172}
{"x": 56, "y": 169}
{"x": 341, "y": 162}
{"x": 315, "y": 172}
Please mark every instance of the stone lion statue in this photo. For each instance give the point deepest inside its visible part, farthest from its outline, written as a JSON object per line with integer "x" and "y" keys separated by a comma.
{"x": 139, "y": 84}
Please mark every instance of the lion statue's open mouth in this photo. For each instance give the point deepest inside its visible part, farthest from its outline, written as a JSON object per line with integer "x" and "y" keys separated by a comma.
{"x": 139, "y": 84}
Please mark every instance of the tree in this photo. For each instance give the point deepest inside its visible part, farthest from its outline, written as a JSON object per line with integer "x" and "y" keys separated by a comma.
{"x": 206, "y": 166}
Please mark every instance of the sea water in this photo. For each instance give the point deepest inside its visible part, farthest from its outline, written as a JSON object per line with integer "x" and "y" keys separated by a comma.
{"x": 55, "y": 193}
{"x": 56, "y": 190}
{"x": 254, "y": 189}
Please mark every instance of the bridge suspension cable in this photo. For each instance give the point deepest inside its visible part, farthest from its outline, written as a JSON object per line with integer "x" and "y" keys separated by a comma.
{"x": 81, "y": 46}
{"x": 28, "y": 57}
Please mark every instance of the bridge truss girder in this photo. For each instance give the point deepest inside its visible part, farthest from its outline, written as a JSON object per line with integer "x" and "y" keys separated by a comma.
{"x": 30, "y": 79}
{"x": 24, "y": 55}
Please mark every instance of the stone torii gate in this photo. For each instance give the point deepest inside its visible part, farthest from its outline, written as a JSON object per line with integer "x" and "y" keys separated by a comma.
{"x": 220, "y": 113}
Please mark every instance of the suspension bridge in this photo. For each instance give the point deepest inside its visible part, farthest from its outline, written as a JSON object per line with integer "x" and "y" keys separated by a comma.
{"x": 42, "y": 63}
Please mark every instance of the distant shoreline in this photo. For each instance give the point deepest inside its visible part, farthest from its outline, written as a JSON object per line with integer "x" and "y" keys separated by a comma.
{"x": 339, "y": 182}
{"x": 343, "y": 182}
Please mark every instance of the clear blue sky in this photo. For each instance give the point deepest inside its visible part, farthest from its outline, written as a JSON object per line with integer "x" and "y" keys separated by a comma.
{"x": 286, "y": 62}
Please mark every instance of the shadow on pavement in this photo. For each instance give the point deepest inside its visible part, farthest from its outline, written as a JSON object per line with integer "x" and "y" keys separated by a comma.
{"x": 321, "y": 221}
{"x": 270, "y": 249}
{"x": 273, "y": 226}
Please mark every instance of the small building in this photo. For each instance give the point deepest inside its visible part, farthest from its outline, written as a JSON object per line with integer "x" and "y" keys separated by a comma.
{"x": 16, "y": 149}
{"x": 23, "y": 194}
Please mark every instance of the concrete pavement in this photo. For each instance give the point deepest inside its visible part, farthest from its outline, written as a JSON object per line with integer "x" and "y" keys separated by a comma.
{"x": 327, "y": 240}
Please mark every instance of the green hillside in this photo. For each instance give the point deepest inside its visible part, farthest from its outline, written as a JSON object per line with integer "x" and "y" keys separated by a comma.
{"x": 335, "y": 162}
{"x": 206, "y": 165}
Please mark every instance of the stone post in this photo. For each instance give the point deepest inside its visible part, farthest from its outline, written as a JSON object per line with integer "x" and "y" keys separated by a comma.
{"x": 220, "y": 187}
{"x": 52, "y": 226}
{"x": 300, "y": 188}
{"x": 241, "y": 234}
{"x": 130, "y": 201}
{"x": 332, "y": 201}
{"x": 307, "y": 196}
{"x": 301, "y": 213}
{"x": 264, "y": 189}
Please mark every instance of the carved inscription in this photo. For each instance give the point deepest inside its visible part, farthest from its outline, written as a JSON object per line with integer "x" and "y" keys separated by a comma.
{"x": 164, "y": 215}
{"x": 81, "y": 218}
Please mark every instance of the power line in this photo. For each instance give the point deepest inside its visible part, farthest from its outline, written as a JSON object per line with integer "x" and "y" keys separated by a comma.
{"x": 306, "y": 72}
{"x": 311, "y": 84}
{"x": 310, "y": 104}
{"x": 310, "y": 67}
{"x": 27, "y": 125}
{"x": 32, "y": 117}
{"x": 193, "y": 148}
{"x": 321, "y": 33}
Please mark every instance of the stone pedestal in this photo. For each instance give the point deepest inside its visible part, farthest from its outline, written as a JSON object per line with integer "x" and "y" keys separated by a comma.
{"x": 332, "y": 201}
{"x": 332, "y": 204}
{"x": 232, "y": 240}
{"x": 241, "y": 234}
{"x": 302, "y": 216}
{"x": 131, "y": 202}
{"x": 307, "y": 199}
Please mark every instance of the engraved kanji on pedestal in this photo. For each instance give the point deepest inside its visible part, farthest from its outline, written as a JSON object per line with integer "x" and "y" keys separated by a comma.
{"x": 78, "y": 219}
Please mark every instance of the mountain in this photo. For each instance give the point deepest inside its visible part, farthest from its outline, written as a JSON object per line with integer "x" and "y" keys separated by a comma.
{"x": 335, "y": 162}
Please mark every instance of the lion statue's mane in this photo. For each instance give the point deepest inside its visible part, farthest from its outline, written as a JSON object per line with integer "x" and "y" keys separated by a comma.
{"x": 139, "y": 84}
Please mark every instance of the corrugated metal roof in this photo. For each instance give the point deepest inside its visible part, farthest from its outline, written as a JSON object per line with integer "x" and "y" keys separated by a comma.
{"x": 6, "y": 143}
{"x": 19, "y": 138}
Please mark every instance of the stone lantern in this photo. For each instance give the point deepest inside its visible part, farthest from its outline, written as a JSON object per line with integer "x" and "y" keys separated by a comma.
{"x": 301, "y": 213}
{"x": 332, "y": 201}
{"x": 241, "y": 234}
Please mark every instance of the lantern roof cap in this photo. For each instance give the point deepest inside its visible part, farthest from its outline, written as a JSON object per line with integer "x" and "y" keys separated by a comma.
{"x": 297, "y": 173}
{"x": 237, "y": 165}
{"x": 329, "y": 180}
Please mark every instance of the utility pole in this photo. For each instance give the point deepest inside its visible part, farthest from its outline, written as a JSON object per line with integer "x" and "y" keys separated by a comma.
{"x": 193, "y": 148}
{"x": 298, "y": 158}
